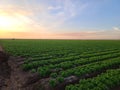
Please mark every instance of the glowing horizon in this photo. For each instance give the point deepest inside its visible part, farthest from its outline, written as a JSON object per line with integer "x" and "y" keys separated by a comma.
{"x": 60, "y": 19}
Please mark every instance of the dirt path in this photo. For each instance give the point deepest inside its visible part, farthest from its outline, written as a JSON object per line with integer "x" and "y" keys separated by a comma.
{"x": 19, "y": 79}
{"x": 4, "y": 69}
{"x": 12, "y": 77}
{"x": 1, "y": 48}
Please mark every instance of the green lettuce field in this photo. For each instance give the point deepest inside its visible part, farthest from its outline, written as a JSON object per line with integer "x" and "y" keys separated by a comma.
{"x": 70, "y": 64}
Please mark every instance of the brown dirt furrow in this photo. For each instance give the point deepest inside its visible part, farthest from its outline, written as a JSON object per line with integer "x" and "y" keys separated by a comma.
{"x": 12, "y": 77}
{"x": 4, "y": 69}
{"x": 1, "y": 48}
{"x": 20, "y": 80}
{"x": 116, "y": 88}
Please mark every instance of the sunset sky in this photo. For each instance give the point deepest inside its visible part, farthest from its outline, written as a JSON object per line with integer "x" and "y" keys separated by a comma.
{"x": 60, "y": 19}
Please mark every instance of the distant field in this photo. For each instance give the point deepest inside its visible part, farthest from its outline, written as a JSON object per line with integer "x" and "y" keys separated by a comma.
{"x": 70, "y": 64}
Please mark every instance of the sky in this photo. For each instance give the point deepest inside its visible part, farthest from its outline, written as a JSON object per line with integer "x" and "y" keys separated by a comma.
{"x": 60, "y": 19}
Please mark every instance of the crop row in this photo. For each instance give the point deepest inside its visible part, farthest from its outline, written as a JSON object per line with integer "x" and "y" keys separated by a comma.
{"x": 74, "y": 63}
{"x": 74, "y": 56}
{"x": 105, "y": 81}
{"x": 86, "y": 69}
{"x": 67, "y": 63}
{"x": 35, "y": 64}
{"x": 80, "y": 70}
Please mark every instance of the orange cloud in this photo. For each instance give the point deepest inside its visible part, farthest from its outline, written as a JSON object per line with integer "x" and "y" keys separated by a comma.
{"x": 45, "y": 35}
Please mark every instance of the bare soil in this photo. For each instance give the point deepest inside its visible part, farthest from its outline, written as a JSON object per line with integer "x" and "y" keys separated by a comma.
{"x": 116, "y": 88}
{"x": 4, "y": 69}
{"x": 12, "y": 77}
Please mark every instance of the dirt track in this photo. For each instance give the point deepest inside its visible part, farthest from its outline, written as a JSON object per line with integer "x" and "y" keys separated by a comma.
{"x": 12, "y": 77}
{"x": 4, "y": 69}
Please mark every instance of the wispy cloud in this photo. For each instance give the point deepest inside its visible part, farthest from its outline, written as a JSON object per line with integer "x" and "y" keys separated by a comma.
{"x": 54, "y": 8}
{"x": 116, "y": 28}
{"x": 56, "y": 15}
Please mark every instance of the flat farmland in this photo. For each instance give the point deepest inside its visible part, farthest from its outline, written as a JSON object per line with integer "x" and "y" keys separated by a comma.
{"x": 62, "y": 64}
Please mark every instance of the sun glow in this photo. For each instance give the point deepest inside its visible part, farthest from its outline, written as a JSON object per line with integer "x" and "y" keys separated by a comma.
{"x": 13, "y": 21}
{"x": 8, "y": 23}
{"x": 5, "y": 21}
